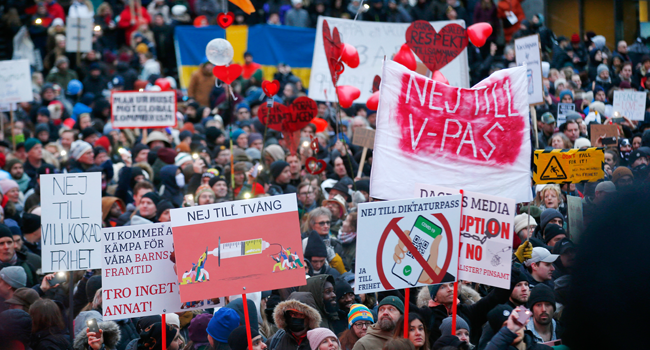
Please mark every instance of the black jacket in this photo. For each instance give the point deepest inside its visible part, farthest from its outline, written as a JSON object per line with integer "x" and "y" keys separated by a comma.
{"x": 50, "y": 340}
{"x": 504, "y": 338}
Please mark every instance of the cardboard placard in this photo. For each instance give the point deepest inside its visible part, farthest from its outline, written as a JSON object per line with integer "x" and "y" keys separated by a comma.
{"x": 15, "y": 82}
{"x": 528, "y": 52}
{"x": 71, "y": 221}
{"x": 143, "y": 109}
{"x": 238, "y": 247}
{"x": 138, "y": 277}
{"x": 630, "y": 104}
{"x": 605, "y": 130}
{"x": 79, "y": 35}
{"x": 576, "y": 217}
{"x": 562, "y": 110}
{"x": 486, "y": 232}
{"x": 364, "y": 137}
{"x": 568, "y": 166}
{"x": 425, "y": 229}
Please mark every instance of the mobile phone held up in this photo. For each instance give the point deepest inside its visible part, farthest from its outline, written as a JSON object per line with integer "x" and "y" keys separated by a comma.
{"x": 609, "y": 141}
{"x": 92, "y": 325}
{"x": 524, "y": 315}
{"x": 59, "y": 278}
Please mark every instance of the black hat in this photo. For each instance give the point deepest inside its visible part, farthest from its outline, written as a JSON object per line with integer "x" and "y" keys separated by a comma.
{"x": 216, "y": 179}
{"x": 551, "y": 231}
{"x": 516, "y": 276}
{"x": 155, "y": 198}
{"x": 137, "y": 149}
{"x": 6, "y": 232}
{"x": 46, "y": 169}
{"x": 162, "y": 206}
{"x": 448, "y": 341}
{"x": 277, "y": 167}
{"x": 31, "y": 223}
{"x": 563, "y": 246}
{"x": 363, "y": 185}
{"x": 99, "y": 149}
{"x": 341, "y": 288}
{"x": 87, "y": 132}
{"x": 238, "y": 340}
{"x": 93, "y": 284}
{"x": 315, "y": 247}
{"x": 541, "y": 293}
{"x": 498, "y": 315}
{"x": 341, "y": 188}
{"x": 639, "y": 153}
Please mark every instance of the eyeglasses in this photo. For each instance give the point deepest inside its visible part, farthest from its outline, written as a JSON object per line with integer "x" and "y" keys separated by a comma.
{"x": 360, "y": 325}
{"x": 305, "y": 193}
{"x": 324, "y": 223}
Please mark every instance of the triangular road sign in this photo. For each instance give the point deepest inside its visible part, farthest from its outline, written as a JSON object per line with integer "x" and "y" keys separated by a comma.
{"x": 553, "y": 171}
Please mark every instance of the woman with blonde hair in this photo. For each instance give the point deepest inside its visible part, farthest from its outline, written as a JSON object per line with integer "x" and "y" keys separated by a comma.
{"x": 560, "y": 141}
{"x": 550, "y": 197}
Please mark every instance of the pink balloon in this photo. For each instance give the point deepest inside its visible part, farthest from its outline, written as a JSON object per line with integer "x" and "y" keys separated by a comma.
{"x": 373, "y": 101}
{"x": 439, "y": 77}
{"x": 406, "y": 57}
{"x": 350, "y": 56}
{"x": 347, "y": 94}
{"x": 479, "y": 32}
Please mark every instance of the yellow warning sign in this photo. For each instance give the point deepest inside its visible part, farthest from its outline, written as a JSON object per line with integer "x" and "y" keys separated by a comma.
{"x": 568, "y": 166}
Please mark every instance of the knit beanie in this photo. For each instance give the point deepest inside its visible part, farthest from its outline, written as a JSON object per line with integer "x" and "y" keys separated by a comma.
{"x": 559, "y": 82}
{"x": 581, "y": 142}
{"x": 551, "y": 231}
{"x": 6, "y": 185}
{"x": 445, "y": 326}
{"x": 315, "y": 247}
{"x": 359, "y": 312}
{"x": 498, "y": 315}
{"x": 137, "y": 149}
{"x": 548, "y": 215}
{"x": 78, "y": 149}
{"x": 277, "y": 167}
{"x": 155, "y": 198}
{"x": 182, "y": 158}
{"x": 93, "y": 284}
{"x": 254, "y": 137}
{"x": 394, "y": 301}
{"x": 5, "y": 231}
{"x": 216, "y": 179}
{"x": 564, "y": 93}
{"x": 162, "y": 206}
{"x": 30, "y": 143}
{"x": 541, "y": 293}
{"x": 620, "y": 172}
{"x": 601, "y": 67}
{"x": 223, "y": 322}
{"x": 433, "y": 290}
{"x": 167, "y": 155}
{"x": 203, "y": 189}
{"x": 238, "y": 340}
{"x": 197, "y": 330}
{"x": 316, "y": 336}
{"x": 173, "y": 319}
{"x": 14, "y": 276}
{"x": 235, "y": 135}
{"x": 151, "y": 336}
{"x": 521, "y": 222}
{"x": 31, "y": 222}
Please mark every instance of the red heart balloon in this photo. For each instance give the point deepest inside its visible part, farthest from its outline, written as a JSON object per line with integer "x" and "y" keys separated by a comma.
{"x": 376, "y": 82}
{"x": 270, "y": 88}
{"x": 479, "y": 32}
{"x": 347, "y": 94}
{"x": 439, "y": 77}
{"x": 201, "y": 21}
{"x": 350, "y": 56}
{"x": 288, "y": 118}
{"x": 227, "y": 74}
{"x": 333, "y": 51}
{"x": 163, "y": 83}
{"x": 436, "y": 49}
{"x": 321, "y": 124}
{"x": 373, "y": 101}
{"x": 224, "y": 20}
{"x": 406, "y": 57}
{"x": 315, "y": 166}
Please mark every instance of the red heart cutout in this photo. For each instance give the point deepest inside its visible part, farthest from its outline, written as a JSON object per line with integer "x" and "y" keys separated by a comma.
{"x": 288, "y": 118}
{"x": 315, "y": 166}
{"x": 333, "y": 51}
{"x": 227, "y": 74}
{"x": 479, "y": 32}
{"x": 375, "y": 83}
{"x": 436, "y": 49}
{"x": 224, "y": 20}
{"x": 270, "y": 88}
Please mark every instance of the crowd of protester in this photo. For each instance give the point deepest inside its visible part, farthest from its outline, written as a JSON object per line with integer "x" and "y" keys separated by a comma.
{"x": 220, "y": 151}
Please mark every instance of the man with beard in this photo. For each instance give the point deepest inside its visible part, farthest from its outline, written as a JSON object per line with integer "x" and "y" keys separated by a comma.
{"x": 322, "y": 288}
{"x": 390, "y": 310}
{"x": 542, "y": 303}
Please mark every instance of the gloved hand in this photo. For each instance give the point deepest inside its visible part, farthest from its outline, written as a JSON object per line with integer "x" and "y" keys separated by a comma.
{"x": 524, "y": 252}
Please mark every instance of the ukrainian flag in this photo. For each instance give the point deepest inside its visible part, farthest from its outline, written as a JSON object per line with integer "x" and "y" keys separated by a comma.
{"x": 268, "y": 44}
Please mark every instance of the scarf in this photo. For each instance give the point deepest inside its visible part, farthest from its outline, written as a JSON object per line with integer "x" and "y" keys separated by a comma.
{"x": 347, "y": 237}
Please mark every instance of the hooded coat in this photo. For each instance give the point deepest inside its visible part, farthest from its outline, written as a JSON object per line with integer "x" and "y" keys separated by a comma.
{"x": 301, "y": 302}
{"x": 111, "y": 334}
{"x": 172, "y": 192}
{"x": 315, "y": 286}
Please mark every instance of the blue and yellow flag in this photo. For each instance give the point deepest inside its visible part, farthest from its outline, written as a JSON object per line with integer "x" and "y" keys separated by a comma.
{"x": 269, "y": 46}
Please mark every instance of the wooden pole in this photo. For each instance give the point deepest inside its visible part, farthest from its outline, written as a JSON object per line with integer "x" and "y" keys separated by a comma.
{"x": 363, "y": 161}
{"x": 70, "y": 287}
{"x": 248, "y": 322}
{"x": 454, "y": 307}
{"x": 13, "y": 137}
{"x": 533, "y": 114}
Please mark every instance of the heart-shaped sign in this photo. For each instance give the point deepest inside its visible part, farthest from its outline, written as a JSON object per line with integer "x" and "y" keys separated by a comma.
{"x": 347, "y": 94}
{"x": 224, "y": 20}
{"x": 333, "y": 51}
{"x": 315, "y": 166}
{"x": 288, "y": 118}
{"x": 270, "y": 88}
{"x": 436, "y": 49}
{"x": 227, "y": 74}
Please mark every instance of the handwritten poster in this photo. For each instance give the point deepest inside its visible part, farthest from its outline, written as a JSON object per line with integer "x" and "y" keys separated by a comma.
{"x": 15, "y": 81}
{"x": 630, "y": 104}
{"x": 528, "y": 52}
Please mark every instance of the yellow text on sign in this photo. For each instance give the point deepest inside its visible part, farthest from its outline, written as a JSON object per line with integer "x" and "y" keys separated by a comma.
{"x": 572, "y": 166}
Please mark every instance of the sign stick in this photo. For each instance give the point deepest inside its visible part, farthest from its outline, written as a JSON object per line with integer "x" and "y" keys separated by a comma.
{"x": 163, "y": 320}
{"x": 13, "y": 137}
{"x": 407, "y": 297}
{"x": 363, "y": 161}
{"x": 70, "y": 288}
{"x": 533, "y": 114}
{"x": 454, "y": 305}
{"x": 78, "y": 40}
{"x": 248, "y": 322}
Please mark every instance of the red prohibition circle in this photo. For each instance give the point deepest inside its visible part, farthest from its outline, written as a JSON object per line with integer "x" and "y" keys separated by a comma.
{"x": 392, "y": 225}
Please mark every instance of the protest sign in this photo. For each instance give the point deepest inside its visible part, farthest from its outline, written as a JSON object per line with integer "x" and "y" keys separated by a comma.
{"x": 374, "y": 41}
{"x": 528, "y": 52}
{"x": 364, "y": 137}
{"x": 476, "y": 139}
{"x": 486, "y": 232}
{"x": 630, "y": 104}
{"x": 79, "y": 35}
{"x": 604, "y": 130}
{"x": 562, "y": 110}
{"x": 7, "y": 107}
{"x": 143, "y": 109}
{"x": 71, "y": 221}
{"x": 138, "y": 274}
{"x": 238, "y": 247}
{"x": 560, "y": 166}
{"x": 425, "y": 230}
{"x": 576, "y": 218}
{"x": 15, "y": 81}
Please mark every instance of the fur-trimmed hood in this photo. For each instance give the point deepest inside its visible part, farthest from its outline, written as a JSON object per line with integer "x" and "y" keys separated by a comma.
{"x": 111, "y": 336}
{"x": 467, "y": 296}
{"x": 302, "y": 302}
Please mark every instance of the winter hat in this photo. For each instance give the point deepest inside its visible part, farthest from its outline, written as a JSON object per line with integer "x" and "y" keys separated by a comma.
{"x": 599, "y": 41}
{"x": 216, "y": 179}
{"x": 548, "y": 215}
{"x": 137, "y": 149}
{"x": 162, "y": 206}
{"x": 203, "y": 189}
{"x": 238, "y": 340}
{"x": 559, "y": 82}
{"x": 88, "y": 132}
{"x": 254, "y": 153}
{"x": 541, "y": 293}
{"x": 359, "y": 312}
{"x": 23, "y": 297}
{"x": 445, "y": 326}
{"x": 277, "y": 167}
{"x": 500, "y": 314}
{"x": 5, "y": 231}
{"x": 158, "y": 136}
{"x": 551, "y": 231}
{"x": 620, "y": 172}
{"x": 448, "y": 341}
{"x": 521, "y": 222}
{"x": 14, "y": 276}
{"x": 575, "y": 38}
{"x": 43, "y": 111}
{"x": 254, "y": 137}
{"x": 40, "y": 128}
{"x": 316, "y": 336}
{"x": 394, "y": 301}
{"x": 6, "y": 185}
{"x": 167, "y": 155}
{"x": 564, "y": 93}
{"x": 197, "y": 329}
{"x": 606, "y": 186}
{"x": 17, "y": 324}
{"x": 223, "y": 322}
{"x": 30, "y": 143}
{"x": 155, "y": 198}
{"x": 582, "y": 142}
{"x": 93, "y": 284}
{"x": 182, "y": 158}
{"x": 601, "y": 67}
{"x": 235, "y": 134}
{"x": 31, "y": 222}
{"x": 173, "y": 320}
{"x": 103, "y": 142}
{"x": 98, "y": 150}
{"x": 315, "y": 247}
{"x": 79, "y": 148}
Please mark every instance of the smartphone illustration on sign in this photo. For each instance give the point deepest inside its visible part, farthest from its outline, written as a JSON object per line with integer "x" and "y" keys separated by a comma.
{"x": 422, "y": 235}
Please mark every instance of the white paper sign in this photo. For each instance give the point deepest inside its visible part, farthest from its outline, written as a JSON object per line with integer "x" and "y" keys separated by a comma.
{"x": 562, "y": 110}
{"x": 630, "y": 104}
{"x": 79, "y": 35}
{"x": 146, "y": 109}
{"x": 527, "y": 51}
{"x": 429, "y": 225}
{"x": 71, "y": 221}
{"x": 373, "y": 41}
{"x": 486, "y": 232}
{"x": 138, "y": 277}
{"x": 15, "y": 81}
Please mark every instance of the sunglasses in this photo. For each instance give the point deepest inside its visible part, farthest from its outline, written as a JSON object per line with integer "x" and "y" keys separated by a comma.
{"x": 324, "y": 223}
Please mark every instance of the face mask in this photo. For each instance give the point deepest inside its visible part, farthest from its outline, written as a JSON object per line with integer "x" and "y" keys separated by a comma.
{"x": 180, "y": 180}
{"x": 296, "y": 324}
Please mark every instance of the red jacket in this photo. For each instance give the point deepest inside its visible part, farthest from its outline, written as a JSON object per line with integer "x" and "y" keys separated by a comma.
{"x": 54, "y": 9}
{"x": 125, "y": 21}
{"x": 515, "y": 7}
